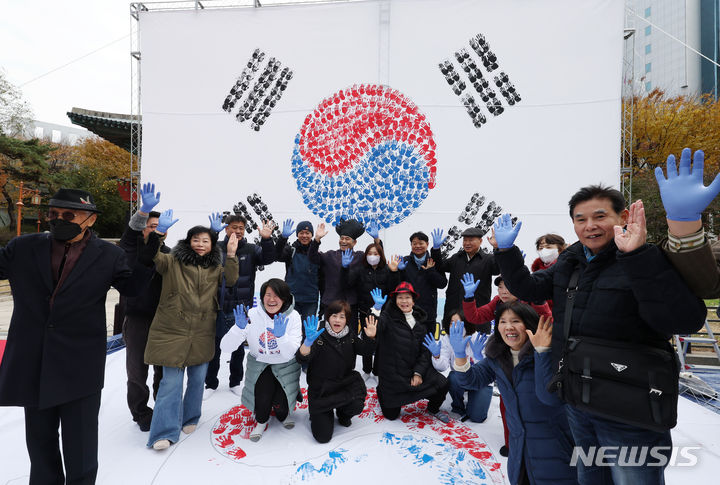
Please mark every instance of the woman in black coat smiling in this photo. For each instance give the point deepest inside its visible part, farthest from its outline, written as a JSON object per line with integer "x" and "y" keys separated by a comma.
{"x": 401, "y": 360}
{"x": 333, "y": 384}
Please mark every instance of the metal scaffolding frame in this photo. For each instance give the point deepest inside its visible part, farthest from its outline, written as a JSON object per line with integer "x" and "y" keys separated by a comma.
{"x": 627, "y": 103}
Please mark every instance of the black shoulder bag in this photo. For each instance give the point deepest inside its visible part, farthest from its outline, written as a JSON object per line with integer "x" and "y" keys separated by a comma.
{"x": 626, "y": 382}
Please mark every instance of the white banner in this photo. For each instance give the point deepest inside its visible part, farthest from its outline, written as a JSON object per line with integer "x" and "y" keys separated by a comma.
{"x": 417, "y": 114}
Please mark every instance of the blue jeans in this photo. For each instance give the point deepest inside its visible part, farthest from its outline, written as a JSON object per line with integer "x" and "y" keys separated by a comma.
{"x": 591, "y": 430}
{"x": 478, "y": 401}
{"x": 173, "y": 410}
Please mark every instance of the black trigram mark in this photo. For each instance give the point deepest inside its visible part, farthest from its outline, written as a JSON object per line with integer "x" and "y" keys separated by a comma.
{"x": 262, "y": 211}
{"x": 475, "y": 77}
{"x": 467, "y": 216}
{"x": 240, "y": 209}
{"x": 266, "y": 91}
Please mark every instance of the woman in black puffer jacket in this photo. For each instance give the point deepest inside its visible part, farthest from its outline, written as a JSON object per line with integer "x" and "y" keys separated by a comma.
{"x": 402, "y": 362}
{"x": 333, "y": 382}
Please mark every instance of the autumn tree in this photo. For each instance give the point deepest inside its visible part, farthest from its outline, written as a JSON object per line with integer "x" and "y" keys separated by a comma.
{"x": 665, "y": 125}
{"x": 96, "y": 166}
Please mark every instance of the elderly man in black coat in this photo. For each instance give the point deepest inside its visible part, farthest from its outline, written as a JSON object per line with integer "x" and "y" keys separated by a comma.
{"x": 54, "y": 361}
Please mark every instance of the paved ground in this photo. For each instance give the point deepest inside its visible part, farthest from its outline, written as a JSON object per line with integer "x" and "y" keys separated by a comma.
{"x": 6, "y": 308}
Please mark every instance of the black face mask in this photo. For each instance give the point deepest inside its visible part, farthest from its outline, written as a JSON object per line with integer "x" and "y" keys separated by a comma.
{"x": 63, "y": 230}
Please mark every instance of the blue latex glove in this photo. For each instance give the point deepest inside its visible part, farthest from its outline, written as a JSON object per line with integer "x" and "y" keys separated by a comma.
{"x": 165, "y": 221}
{"x": 457, "y": 341}
{"x": 377, "y": 297}
{"x": 347, "y": 257}
{"x": 402, "y": 264}
{"x": 684, "y": 194}
{"x": 240, "y": 313}
{"x": 438, "y": 239}
{"x": 216, "y": 222}
{"x": 288, "y": 228}
{"x": 312, "y": 332}
{"x": 432, "y": 345}
{"x": 477, "y": 345}
{"x": 280, "y": 325}
{"x": 505, "y": 232}
{"x": 469, "y": 285}
{"x": 373, "y": 230}
{"x": 149, "y": 198}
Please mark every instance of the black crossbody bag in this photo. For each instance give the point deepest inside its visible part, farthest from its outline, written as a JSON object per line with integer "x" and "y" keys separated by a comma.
{"x": 622, "y": 381}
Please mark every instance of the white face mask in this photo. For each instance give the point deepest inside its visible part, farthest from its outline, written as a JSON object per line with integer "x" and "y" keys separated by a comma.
{"x": 373, "y": 260}
{"x": 548, "y": 255}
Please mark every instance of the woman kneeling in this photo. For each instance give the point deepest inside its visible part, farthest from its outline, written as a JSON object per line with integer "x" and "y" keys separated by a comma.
{"x": 333, "y": 384}
{"x": 273, "y": 331}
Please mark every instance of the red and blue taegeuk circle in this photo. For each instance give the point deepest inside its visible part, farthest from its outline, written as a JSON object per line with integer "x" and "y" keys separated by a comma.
{"x": 366, "y": 153}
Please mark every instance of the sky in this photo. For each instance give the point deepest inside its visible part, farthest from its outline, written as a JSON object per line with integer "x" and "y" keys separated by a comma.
{"x": 48, "y": 53}
{"x": 68, "y": 53}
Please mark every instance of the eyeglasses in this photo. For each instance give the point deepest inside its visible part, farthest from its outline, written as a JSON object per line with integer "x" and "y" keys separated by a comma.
{"x": 66, "y": 216}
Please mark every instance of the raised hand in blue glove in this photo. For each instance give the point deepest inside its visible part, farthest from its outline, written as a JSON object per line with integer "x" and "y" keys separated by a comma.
{"x": 432, "y": 345}
{"x": 280, "y": 323}
{"x": 683, "y": 193}
{"x": 312, "y": 332}
{"x": 505, "y": 232}
{"x": 469, "y": 285}
{"x": 216, "y": 223}
{"x": 377, "y": 297}
{"x": 288, "y": 228}
{"x": 438, "y": 239}
{"x": 149, "y": 198}
{"x": 402, "y": 264}
{"x": 165, "y": 221}
{"x": 347, "y": 257}
{"x": 457, "y": 342}
{"x": 241, "y": 319}
{"x": 373, "y": 230}
{"x": 477, "y": 345}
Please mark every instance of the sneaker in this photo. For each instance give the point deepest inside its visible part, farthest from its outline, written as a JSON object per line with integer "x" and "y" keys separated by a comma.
{"x": 456, "y": 415}
{"x": 258, "y": 431}
{"x": 441, "y": 416}
{"x": 237, "y": 390}
{"x": 161, "y": 445}
{"x": 207, "y": 393}
{"x": 504, "y": 451}
{"x": 189, "y": 428}
{"x": 289, "y": 422}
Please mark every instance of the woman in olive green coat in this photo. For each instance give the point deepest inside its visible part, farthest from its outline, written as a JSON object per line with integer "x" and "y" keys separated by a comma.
{"x": 182, "y": 334}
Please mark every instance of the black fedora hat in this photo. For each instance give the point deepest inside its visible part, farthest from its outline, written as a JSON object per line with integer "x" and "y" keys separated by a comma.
{"x": 74, "y": 199}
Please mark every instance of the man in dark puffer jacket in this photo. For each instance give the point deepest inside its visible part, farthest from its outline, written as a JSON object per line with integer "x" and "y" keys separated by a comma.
{"x": 627, "y": 292}
{"x": 250, "y": 256}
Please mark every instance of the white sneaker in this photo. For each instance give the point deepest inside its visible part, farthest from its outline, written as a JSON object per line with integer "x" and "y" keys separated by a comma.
{"x": 289, "y": 422}
{"x": 207, "y": 393}
{"x": 258, "y": 431}
{"x": 237, "y": 390}
{"x": 161, "y": 445}
{"x": 189, "y": 428}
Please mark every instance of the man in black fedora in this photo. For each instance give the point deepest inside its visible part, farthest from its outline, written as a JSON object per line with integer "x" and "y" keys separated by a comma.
{"x": 54, "y": 360}
{"x": 470, "y": 259}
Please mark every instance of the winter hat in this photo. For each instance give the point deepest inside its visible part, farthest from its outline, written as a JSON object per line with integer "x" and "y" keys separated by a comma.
{"x": 74, "y": 199}
{"x": 405, "y": 287}
{"x": 473, "y": 232}
{"x": 351, "y": 228}
{"x": 304, "y": 225}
